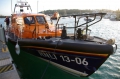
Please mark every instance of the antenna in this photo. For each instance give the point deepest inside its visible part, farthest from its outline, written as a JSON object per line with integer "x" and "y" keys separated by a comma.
{"x": 37, "y": 6}
{"x": 11, "y": 6}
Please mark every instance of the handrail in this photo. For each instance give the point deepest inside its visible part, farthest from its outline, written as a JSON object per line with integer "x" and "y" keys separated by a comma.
{"x": 96, "y": 21}
{"x": 56, "y": 27}
{"x": 34, "y": 32}
{"x": 84, "y": 15}
{"x": 86, "y": 23}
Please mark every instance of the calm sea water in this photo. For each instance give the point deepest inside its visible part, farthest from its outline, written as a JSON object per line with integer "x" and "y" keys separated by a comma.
{"x": 107, "y": 29}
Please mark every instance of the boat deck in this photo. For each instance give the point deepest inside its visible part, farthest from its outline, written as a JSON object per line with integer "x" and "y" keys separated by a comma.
{"x": 7, "y": 68}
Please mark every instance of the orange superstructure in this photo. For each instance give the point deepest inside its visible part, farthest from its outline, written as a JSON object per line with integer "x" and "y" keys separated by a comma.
{"x": 32, "y": 26}
{"x": 28, "y": 25}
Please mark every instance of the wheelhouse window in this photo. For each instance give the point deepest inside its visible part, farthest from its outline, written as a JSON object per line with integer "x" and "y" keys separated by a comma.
{"x": 40, "y": 19}
{"x": 29, "y": 20}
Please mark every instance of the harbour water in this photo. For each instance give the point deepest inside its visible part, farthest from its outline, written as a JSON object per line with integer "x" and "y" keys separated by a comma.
{"x": 111, "y": 68}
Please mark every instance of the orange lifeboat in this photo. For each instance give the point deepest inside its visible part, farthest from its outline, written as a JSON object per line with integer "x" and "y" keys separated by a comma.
{"x": 28, "y": 25}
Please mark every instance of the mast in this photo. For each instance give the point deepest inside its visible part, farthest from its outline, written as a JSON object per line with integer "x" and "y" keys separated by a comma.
{"x": 37, "y": 6}
{"x": 11, "y": 6}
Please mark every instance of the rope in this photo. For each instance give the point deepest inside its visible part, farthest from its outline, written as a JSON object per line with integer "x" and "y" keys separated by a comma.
{"x": 49, "y": 61}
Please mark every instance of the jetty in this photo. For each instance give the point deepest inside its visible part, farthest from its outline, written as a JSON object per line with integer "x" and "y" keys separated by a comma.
{"x": 7, "y": 68}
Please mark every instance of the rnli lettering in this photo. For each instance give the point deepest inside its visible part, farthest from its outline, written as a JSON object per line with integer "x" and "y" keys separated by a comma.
{"x": 77, "y": 60}
{"x": 46, "y": 54}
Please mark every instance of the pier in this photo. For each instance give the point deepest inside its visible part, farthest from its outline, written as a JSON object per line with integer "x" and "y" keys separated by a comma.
{"x": 7, "y": 68}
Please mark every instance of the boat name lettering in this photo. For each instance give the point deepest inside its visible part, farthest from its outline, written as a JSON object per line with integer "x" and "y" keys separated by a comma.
{"x": 47, "y": 54}
{"x": 77, "y": 60}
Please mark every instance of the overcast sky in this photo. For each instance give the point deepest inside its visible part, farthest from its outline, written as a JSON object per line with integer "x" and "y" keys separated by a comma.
{"x": 5, "y": 5}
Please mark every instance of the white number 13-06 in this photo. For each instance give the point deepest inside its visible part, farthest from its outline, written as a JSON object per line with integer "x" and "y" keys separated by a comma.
{"x": 77, "y": 60}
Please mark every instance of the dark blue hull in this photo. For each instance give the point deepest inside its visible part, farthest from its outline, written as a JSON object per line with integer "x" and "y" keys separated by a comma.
{"x": 80, "y": 65}
{"x": 82, "y": 60}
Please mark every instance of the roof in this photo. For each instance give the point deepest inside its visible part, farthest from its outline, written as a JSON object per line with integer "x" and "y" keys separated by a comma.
{"x": 29, "y": 14}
